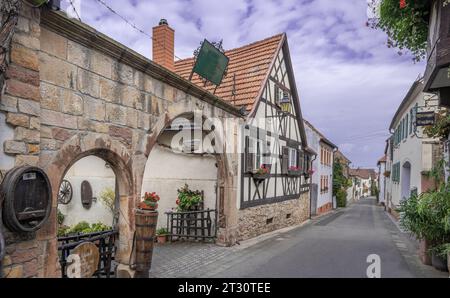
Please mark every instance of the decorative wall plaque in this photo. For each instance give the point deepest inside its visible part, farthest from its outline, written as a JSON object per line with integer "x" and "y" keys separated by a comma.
{"x": 86, "y": 194}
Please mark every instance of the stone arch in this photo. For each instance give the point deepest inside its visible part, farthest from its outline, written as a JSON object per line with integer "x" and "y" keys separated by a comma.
{"x": 226, "y": 165}
{"x": 120, "y": 159}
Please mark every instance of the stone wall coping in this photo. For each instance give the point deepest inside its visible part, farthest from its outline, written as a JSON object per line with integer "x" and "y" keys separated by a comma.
{"x": 84, "y": 34}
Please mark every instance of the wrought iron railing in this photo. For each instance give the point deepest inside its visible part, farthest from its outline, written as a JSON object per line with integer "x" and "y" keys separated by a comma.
{"x": 105, "y": 241}
{"x": 198, "y": 225}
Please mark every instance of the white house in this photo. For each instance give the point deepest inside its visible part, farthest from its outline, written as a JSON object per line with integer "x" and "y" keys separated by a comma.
{"x": 322, "y": 178}
{"x": 363, "y": 179}
{"x": 413, "y": 153}
{"x": 381, "y": 179}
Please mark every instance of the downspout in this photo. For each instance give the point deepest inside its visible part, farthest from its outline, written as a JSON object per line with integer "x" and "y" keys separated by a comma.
{"x": 310, "y": 185}
{"x": 332, "y": 176}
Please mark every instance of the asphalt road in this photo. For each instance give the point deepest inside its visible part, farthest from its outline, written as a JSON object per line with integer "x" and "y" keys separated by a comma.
{"x": 336, "y": 245}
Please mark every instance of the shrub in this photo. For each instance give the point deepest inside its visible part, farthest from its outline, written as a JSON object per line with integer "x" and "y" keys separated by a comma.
{"x": 341, "y": 198}
{"x": 83, "y": 228}
{"x": 162, "y": 231}
{"x": 60, "y": 217}
{"x": 427, "y": 216}
{"x": 108, "y": 198}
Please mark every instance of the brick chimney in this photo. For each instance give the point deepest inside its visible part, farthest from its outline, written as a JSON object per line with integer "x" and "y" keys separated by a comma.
{"x": 164, "y": 45}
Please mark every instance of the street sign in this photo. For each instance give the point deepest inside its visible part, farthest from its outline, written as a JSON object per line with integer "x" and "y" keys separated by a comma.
{"x": 425, "y": 118}
{"x": 211, "y": 63}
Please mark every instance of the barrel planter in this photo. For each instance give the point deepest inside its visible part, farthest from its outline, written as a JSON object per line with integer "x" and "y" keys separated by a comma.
{"x": 145, "y": 235}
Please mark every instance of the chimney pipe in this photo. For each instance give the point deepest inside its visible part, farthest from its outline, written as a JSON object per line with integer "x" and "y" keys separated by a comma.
{"x": 164, "y": 45}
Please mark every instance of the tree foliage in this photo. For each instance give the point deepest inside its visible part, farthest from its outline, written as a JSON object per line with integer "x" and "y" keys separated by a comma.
{"x": 340, "y": 183}
{"x": 406, "y": 28}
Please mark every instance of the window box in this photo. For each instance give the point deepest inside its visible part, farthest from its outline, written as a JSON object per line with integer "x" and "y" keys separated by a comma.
{"x": 295, "y": 171}
{"x": 262, "y": 173}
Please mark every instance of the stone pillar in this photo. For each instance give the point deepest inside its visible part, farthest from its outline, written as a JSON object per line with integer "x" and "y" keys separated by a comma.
{"x": 20, "y": 104}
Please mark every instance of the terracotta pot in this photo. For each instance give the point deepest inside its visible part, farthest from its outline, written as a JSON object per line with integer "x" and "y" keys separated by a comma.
{"x": 423, "y": 252}
{"x": 162, "y": 239}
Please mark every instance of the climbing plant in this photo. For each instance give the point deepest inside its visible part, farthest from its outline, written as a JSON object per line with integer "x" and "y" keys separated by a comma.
{"x": 340, "y": 183}
{"x": 406, "y": 26}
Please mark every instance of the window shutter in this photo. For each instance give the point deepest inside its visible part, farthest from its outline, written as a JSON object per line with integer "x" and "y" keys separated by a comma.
{"x": 249, "y": 155}
{"x": 300, "y": 160}
{"x": 285, "y": 160}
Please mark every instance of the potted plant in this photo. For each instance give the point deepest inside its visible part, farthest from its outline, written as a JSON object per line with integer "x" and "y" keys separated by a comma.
{"x": 294, "y": 170}
{"x": 261, "y": 173}
{"x": 446, "y": 252}
{"x": 149, "y": 202}
{"x": 439, "y": 257}
{"x": 161, "y": 235}
{"x": 189, "y": 200}
{"x": 309, "y": 173}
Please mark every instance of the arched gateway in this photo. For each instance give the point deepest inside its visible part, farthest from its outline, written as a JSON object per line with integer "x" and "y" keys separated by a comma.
{"x": 89, "y": 98}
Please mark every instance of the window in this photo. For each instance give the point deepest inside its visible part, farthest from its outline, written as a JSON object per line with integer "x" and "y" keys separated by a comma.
{"x": 411, "y": 117}
{"x": 324, "y": 184}
{"x": 254, "y": 150}
{"x": 406, "y": 126}
{"x": 293, "y": 159}
{"x": 396, "y": 172}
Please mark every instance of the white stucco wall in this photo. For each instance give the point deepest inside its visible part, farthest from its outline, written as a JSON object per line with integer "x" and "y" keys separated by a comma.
{"x": 92, "y": 169}
{"x": 413, "y": 150}
{"x": 167, "y": 171}
{"x": 382, "y": 179}
{"x": 313, "y": 139}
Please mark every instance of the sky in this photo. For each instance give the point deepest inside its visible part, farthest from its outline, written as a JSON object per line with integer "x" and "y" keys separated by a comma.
{"x": 350, "y": 83}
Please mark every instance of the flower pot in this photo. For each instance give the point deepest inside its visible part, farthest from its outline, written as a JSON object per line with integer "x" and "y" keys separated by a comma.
{"x": 438, "y": 262}
{"x": 423, "y": 252}
{"x": 162, "y": 239}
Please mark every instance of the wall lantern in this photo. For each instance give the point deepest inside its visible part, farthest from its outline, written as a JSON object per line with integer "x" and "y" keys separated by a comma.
{"x": 285, "y": 103}
{"x": 27, "y": 193}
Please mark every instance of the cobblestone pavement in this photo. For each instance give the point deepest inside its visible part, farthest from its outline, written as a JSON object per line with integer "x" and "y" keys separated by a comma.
{"x": 184, "y": 259}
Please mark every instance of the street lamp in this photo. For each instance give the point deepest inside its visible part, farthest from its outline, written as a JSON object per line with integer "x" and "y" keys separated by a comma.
{"x": 285, "y": 103}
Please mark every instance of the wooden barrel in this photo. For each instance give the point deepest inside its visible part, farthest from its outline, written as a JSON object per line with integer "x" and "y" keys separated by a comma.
{"x": 145, "y": 235}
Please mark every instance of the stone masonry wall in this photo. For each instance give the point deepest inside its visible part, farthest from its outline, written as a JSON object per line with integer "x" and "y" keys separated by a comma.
{"x": 20, "y": 104}
{"x": 66, "y": 100}
{"x": 253, "y": 220}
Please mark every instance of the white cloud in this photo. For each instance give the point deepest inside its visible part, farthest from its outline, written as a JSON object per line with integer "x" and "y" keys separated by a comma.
{"x": 350, "y": 83}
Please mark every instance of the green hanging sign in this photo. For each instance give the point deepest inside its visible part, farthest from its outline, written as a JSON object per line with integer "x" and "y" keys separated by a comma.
{"x": 211, "y": 63}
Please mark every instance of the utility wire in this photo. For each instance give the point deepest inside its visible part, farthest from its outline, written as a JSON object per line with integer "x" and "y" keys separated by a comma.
{"x": 132, "y": 25}
{"x": 74, "y": 9}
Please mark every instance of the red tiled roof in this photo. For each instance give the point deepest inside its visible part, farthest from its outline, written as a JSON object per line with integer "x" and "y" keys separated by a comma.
{"x": 363, "y": 173}
{"x": 249, "y": 63}
{"x": 383, "y": 159}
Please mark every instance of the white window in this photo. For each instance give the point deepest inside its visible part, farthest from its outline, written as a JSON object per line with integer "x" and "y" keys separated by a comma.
{"x": 293, "y": 164}
{"x": 257, "y": 149}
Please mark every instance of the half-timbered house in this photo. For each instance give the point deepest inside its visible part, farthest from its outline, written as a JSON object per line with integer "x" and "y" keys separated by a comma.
{"x": 273, "y": 187}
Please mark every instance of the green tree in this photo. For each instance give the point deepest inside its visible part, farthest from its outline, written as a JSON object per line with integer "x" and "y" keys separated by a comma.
{"x": 340, "y": 183}
{"x": 406, "y": 28}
